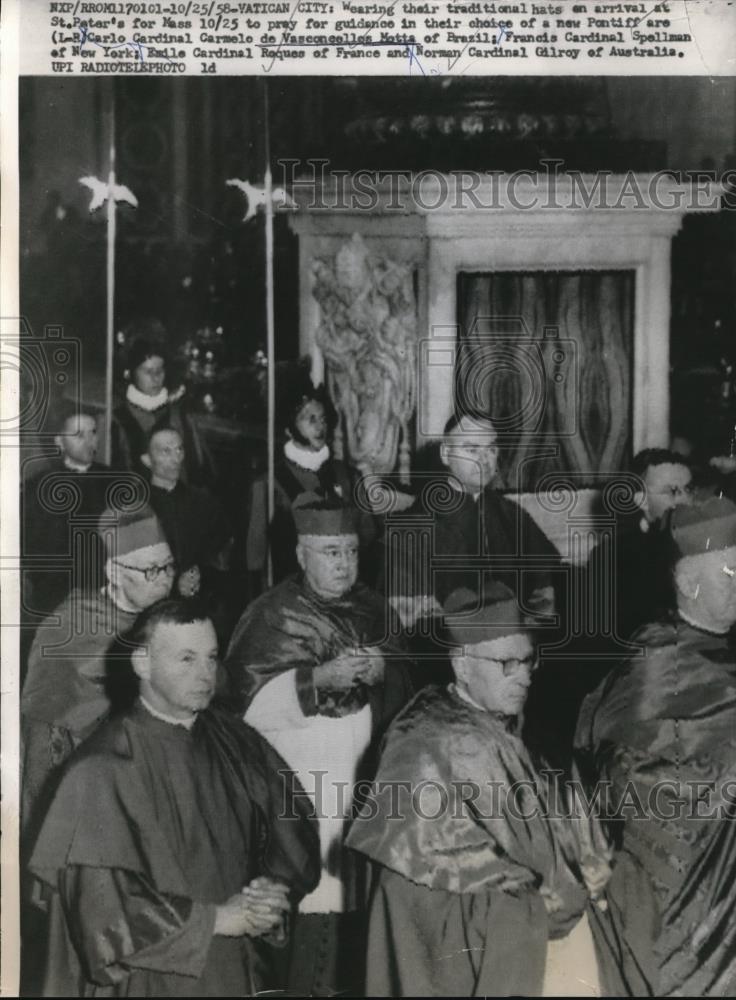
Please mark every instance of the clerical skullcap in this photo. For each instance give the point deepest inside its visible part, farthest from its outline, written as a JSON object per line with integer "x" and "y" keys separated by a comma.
{"x": 127, "y": 531}
{"x": 315, "y": 515}
{"x": 471, "y": 618}
{"x": 703, "y": 527}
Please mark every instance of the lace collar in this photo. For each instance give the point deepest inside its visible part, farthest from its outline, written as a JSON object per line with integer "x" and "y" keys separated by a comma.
{"x": 144, "y": 402}
{"x": 311, "y": 460}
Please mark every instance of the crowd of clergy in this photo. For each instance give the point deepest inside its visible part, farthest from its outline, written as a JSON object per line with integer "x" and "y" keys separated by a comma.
{"x": 310, "y": 755}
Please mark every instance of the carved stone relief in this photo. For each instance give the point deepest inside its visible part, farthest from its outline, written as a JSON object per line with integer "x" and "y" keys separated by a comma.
{"x": 367, "y": 334}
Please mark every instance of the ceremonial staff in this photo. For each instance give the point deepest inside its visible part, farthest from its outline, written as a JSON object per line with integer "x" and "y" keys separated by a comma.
{"x": 110, "y": 284}
{"x": 109, "y": 193}
{"x": 270, "y": 331}
{"x": 265, "y": 197}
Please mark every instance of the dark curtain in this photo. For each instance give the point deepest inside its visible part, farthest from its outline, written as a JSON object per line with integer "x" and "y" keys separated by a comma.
{"x": 548, "y": 356}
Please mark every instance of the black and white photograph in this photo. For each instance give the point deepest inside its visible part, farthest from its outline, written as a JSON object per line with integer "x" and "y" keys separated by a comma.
{"x": 369, "y": 503}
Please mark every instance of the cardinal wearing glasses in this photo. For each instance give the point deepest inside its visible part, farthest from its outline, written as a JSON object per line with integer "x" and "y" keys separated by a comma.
{"x": 476, "y": 869}
{"x": 71, "y": 669}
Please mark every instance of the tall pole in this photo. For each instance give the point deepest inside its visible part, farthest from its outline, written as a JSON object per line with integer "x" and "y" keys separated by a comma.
{"x": 270, "y": 331}
{"x": 110, "y": 319}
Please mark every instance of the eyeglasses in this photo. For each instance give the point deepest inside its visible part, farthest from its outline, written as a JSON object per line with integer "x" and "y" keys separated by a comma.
{"x": 334, "y": 555}
{"x": 513, "y": 665}
{"x": 674, "y": 491}
{"x": 472, "y": 449}
{"x": 152, "y": 573}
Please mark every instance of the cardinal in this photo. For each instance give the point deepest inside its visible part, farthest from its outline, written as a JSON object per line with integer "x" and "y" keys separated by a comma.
{"x": 257, "y": 197}
{"x": 101, "y": 190}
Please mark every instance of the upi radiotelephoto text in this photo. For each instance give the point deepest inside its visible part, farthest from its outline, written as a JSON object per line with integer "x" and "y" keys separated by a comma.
{"x": 420, "y": 39}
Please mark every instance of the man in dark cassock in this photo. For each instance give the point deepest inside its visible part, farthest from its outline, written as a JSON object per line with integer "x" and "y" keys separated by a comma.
{"x": 194, "y": 523}
{"x": 626, "y": 583}
{"x": 193, "y": 520}
{"x": 479, "y": 866}
{"x": 661, "y": 729}
{"x": 65, "y": 694}
{"x": 638, "y": 579}
{"x": 72, "y": 488}
{"x": 167, "y": 861}
{"x": 321, "y": 669}
{"x": 479, "y": 534}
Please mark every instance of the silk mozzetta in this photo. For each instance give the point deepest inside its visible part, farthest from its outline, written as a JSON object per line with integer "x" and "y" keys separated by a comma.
{"x": 151, "y": 828}
{"x": 662, "y": 731}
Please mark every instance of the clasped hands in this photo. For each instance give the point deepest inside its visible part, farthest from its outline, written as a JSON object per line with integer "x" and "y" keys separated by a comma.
{"x": 363, "y": 664}
{"x": 189, "y": 582}
{"x": 596, "y": 872}
{"x": 258, "y": 909}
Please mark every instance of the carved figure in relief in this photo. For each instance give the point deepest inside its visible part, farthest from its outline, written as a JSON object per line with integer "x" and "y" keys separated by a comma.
{"x": 368, "y": 338}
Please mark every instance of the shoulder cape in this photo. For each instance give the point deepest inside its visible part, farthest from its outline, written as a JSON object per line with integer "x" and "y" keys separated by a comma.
{"x": 102, "y": 816}
{"x": 472, "y": 815}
